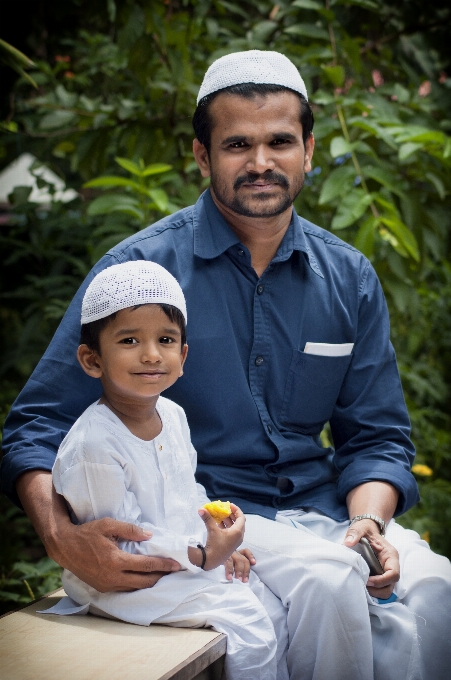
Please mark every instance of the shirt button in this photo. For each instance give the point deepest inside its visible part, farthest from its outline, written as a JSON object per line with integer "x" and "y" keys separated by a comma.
{"x": 260, "y": 289}
{"x": 259, "y": 361}
{"x": 160, "y": 448}
{"x": 241, "y": 252}
{"x": 269, "y": 428}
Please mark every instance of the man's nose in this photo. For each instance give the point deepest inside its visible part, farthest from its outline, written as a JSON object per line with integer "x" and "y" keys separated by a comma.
{"x": 260, "y": 160}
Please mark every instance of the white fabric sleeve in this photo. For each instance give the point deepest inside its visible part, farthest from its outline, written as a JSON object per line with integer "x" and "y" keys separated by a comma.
{"x": 98, "y": 490}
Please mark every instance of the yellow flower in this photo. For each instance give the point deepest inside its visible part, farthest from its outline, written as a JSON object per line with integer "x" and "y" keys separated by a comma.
{"x": 422, "y": 470}
{"x": 426, "y": 537}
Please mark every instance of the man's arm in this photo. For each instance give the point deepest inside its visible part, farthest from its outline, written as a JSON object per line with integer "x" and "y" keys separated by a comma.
{"x": 380, "y": 499}
{"x": 88, "y": 550}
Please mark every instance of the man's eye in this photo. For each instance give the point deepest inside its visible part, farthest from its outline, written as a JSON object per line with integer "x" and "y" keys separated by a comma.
{"x": 237, "y": 145}
{"x": 129, "y": 341}
{"x": 278, "y": 142}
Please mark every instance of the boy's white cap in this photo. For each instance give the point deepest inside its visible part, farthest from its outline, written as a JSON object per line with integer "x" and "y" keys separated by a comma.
{"x": 252, "y": 66}
{"x": 128, "y": 284}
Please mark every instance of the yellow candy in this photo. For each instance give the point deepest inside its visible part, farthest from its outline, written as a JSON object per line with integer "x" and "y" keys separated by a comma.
{"x": 219, "y": 510}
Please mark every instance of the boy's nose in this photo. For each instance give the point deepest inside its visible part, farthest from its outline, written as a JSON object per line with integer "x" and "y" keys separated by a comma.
{"x": 151, "y": 353}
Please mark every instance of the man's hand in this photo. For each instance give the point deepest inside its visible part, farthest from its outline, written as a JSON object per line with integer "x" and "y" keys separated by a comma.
{"x": 89, "y": 550}
{"x": 239, "y": 565}
{"x": 378, "y": 586}
{"x": 380, "y": 499}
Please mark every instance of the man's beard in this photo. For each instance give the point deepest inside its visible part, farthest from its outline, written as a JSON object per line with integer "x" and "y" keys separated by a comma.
{"x": 269, "y": 205}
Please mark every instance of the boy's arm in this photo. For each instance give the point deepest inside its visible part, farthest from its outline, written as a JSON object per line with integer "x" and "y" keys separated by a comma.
{"x": 89, "y": 550}
{"x": 96, "y": 490}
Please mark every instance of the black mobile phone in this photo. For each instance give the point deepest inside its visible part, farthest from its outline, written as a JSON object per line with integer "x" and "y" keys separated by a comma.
{"x": 366, "y": 551}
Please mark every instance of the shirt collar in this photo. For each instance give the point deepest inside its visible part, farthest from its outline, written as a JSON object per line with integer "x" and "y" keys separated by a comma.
{"x": 213, "y": 236}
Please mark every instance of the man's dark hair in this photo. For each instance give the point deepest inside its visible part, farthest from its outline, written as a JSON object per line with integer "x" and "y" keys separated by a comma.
{"x": 202, "y": 122}
{"x": 90, "y": 332}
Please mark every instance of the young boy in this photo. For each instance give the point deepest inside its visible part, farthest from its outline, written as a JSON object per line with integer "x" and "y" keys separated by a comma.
{"x": 129, "y": 457}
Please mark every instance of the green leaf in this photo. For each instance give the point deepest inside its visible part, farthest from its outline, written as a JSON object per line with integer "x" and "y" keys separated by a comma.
{"x": 336, "y": 74}
{"x": 111, "y": 7}
{"x": 103, "y": 205}
{"x": 20, "y": 58}
{"x": 309, "y": 31}
{"x": 438, "y": 184}
{"x": 160, "y": 198}
{"x": 156, "y": 169}
{"x": 130, "y": 166}
{"x": 351, "y": 208}
{"x": 406, "y": 150}
{"x": 336, "y": 183}
{"x": 67, "y": 99}
{"x": 263, "y": 30}
{"x": 364, "y": 240}
{"x": 57, "y": 119}
{"x": 307, "y": 4}
{"x": 339, "y": 147}
{"x": 368, "y": 4}
{"x": 109, "y": 181}
{"x": 403, "y": 234}
{"x": 385, "y": 177}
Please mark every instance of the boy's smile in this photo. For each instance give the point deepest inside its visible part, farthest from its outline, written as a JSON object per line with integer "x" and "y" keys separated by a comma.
{"x": 140, "y": 355}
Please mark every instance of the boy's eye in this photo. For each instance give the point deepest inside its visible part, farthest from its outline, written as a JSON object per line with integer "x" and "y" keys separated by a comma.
{"x": 129, "y": 341}
{"x": 165, "y": 340}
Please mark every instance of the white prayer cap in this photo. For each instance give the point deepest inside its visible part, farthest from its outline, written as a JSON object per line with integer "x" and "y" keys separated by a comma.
{"x": 128, "y": 284}
{"x": 252, "y": 66}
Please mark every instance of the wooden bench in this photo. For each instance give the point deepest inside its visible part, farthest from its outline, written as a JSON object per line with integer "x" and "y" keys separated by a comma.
{"x": 36, "y": 647}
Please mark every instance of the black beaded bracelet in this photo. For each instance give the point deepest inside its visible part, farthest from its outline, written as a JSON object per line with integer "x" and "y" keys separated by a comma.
{"x": 204, "y": 555}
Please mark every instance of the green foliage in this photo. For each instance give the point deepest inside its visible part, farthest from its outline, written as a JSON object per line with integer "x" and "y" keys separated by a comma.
{"x": 122, "y": 94}
{"x": 16, "y": 60}
{"x": 136, "y": 202}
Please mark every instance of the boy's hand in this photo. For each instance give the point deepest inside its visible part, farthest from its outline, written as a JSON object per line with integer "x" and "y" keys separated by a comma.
{"x": 239, "y": 565}
{"x": 222, "y": 541}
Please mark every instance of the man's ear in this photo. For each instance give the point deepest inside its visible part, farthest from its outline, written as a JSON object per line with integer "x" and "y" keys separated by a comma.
{"x": 184, "y": 355}
{"x": 309, "y": 148}
{"x": 201, "y": 157}
{"x": 89, "y": 361}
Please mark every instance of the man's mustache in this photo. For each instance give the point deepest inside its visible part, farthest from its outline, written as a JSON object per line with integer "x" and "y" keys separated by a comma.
{"x": 271, "y": 177}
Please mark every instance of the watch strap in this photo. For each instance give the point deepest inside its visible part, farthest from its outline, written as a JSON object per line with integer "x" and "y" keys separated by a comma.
{"x": 379, "y": 521}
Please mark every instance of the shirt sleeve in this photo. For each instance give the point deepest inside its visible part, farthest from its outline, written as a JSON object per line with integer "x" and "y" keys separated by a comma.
{"x": 57, "y": 392}
{"x": 97, "y": 490}
{"x": 370, "y": 424}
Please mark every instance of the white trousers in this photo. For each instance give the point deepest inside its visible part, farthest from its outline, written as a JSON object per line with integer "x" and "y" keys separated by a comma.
{"x": 249, "y": 616}
{"x": 336, "y": 630}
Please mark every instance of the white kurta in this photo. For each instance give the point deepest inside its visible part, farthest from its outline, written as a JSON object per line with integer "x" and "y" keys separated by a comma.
{"x": 103, "y": 470}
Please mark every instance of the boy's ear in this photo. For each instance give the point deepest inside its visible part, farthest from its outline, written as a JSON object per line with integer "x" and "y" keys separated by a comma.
{"x": 184, "y": 355}
{"x": 89, "y": 361}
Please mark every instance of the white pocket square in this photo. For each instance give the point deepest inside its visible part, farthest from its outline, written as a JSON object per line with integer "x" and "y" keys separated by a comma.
{"x": 325, "y": 349}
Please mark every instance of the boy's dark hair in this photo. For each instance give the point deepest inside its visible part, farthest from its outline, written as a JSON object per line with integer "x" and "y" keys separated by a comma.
{"x": 90, "y": 332}
{"x": 202, "y": 122}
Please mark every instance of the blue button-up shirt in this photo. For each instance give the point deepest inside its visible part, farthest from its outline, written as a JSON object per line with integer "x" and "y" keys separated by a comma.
{"x": 255, "y": 402}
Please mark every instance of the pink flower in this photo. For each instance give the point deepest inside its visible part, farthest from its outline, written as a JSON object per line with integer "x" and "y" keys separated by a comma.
{"x": 425, "y": 88}
{"x": 378, "y": 79}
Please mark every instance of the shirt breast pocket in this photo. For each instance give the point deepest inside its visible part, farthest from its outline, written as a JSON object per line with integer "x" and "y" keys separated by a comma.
{"x": 311, "y": 390}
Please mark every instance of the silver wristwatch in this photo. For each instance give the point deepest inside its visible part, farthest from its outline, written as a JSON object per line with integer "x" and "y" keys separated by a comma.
{"x": 379, "y": 521}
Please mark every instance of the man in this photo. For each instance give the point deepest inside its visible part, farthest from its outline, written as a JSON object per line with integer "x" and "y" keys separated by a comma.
{"x": 288, "y": 330}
